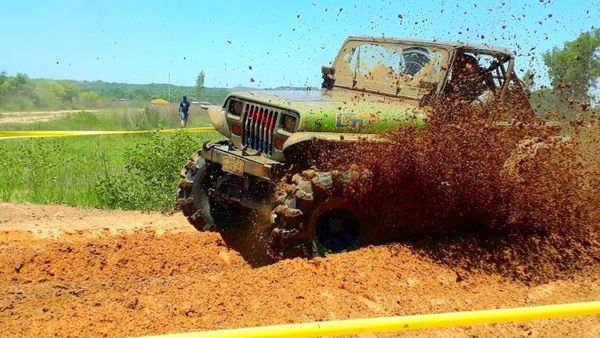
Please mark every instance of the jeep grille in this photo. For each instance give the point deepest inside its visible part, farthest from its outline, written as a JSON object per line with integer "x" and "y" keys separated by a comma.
{"x": 259, "y": 126}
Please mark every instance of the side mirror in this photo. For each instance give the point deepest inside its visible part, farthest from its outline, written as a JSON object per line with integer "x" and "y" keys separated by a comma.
{"x": 328, "y": 79}
{"x": 327, "y": 70}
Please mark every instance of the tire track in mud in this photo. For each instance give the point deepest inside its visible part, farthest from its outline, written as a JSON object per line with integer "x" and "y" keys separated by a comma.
{"x": 135, "y": 278}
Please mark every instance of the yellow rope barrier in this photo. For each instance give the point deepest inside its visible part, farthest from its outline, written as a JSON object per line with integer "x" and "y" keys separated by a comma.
{"x": 14, "y": 134}
{"x": 401, "y": 323}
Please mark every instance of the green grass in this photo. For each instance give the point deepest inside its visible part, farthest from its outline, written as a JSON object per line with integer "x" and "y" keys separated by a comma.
{"x": 121, "y": 171}
{"x": 58, "y": 170}
{"x": 137, "y": 171}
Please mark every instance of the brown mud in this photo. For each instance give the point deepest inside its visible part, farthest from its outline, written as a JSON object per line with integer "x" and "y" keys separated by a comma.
{"x": 128, "y": 276}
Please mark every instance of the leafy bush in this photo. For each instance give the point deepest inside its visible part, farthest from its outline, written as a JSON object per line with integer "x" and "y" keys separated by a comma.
{"x": 152, "y": 172}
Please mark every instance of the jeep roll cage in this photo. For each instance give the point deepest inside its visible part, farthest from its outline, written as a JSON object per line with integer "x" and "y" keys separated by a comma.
{"x": 497, "y": 74}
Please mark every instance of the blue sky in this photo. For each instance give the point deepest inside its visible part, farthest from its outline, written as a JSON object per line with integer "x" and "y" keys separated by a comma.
{"x": 283, "y": 42}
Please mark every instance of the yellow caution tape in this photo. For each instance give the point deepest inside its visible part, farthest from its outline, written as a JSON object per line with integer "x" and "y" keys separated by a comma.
{"x": 401, "y": 323}
{"x": 66, "y": 133}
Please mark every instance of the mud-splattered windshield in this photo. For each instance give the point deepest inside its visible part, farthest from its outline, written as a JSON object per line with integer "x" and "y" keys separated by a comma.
{"x": 390, "y": 68}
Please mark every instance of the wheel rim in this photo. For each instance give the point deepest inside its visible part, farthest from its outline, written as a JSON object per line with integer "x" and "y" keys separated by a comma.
{"x": 336, "y": 231}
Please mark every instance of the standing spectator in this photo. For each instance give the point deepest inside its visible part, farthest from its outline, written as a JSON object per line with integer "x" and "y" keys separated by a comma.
{"x": 184, "y": 109}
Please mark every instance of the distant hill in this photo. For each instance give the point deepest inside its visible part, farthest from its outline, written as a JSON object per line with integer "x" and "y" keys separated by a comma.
{"x": 147, "y": 92}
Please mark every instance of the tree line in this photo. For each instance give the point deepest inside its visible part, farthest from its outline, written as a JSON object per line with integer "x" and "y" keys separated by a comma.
{"x": 21, "y": 93}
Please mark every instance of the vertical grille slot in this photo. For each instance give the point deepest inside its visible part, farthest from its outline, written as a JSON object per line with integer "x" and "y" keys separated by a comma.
{"x": 271, "y": 129}
{"x": 256, "y": 127}
{"x": 248, "y": 116}
{"x": 259, "y": 126}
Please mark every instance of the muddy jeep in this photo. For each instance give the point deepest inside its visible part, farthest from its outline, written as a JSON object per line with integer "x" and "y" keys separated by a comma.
{"x": 373, "y": 85}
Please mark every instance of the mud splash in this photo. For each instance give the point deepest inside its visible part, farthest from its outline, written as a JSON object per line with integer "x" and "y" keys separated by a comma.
{"x": 518, "y": 198}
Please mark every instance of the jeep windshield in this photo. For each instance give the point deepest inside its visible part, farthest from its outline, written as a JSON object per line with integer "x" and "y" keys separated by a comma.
{"x": 394, "y": 68}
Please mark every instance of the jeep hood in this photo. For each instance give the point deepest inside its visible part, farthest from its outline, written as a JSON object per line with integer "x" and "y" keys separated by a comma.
{"x": 340, "y": 110}
{"x": 298, "y": 100}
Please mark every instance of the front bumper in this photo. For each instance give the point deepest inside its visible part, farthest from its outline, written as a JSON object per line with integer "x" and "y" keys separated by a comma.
{"x": 253, "y": 164}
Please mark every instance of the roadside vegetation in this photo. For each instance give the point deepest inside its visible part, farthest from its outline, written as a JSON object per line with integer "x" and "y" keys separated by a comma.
{"x": 137, "y": 171}
{"x": 114, "y": 171}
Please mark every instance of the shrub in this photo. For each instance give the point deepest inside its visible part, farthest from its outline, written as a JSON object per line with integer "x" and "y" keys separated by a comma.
{"x": 151, "y": 174}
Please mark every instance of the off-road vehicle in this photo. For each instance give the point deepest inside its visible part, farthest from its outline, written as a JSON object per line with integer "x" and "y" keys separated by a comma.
{"x": 373, "y": 85}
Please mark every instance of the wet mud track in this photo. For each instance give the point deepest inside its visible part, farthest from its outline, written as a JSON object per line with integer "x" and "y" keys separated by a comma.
{"x": 71, "y": 272}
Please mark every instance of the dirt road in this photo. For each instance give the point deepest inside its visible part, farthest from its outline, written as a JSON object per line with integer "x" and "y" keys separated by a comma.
{"x": 72, "y": 272}
{"x": 35, "y": 116}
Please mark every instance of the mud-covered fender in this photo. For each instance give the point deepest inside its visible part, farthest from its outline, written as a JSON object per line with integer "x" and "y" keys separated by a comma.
{"x": 300, "y": 140}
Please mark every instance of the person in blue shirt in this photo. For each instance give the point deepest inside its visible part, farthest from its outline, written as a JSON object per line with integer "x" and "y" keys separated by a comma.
{"x": 184, "y": 111}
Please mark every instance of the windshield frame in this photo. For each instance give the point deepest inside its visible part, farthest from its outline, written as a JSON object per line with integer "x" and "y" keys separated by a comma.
{"x": 418, "y": 90}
